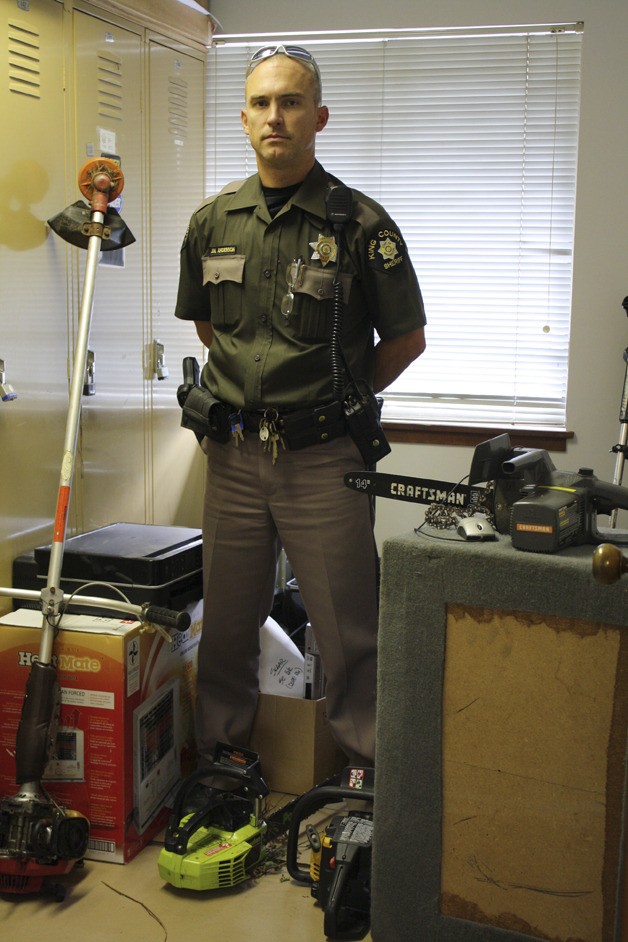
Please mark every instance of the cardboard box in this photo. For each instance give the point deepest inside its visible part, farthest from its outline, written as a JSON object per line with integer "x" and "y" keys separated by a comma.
{"x": 293, "y": 739}
{"x": 125, "y": 735}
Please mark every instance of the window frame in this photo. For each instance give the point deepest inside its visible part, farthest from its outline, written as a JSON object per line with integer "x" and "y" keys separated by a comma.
{"x": 399, "y": 428}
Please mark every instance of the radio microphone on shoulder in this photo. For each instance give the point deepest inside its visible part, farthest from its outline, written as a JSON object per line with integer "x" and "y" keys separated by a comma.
{"x": 339, "y": 204}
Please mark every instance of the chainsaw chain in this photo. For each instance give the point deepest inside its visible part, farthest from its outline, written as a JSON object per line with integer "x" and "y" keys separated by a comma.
{"x": 446, "y": 517}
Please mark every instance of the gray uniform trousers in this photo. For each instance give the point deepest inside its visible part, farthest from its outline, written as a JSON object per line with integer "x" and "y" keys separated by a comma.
{"x": 251, "y": 509}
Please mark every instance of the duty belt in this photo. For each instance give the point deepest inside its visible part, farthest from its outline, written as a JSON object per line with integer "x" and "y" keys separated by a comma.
{"x": 207, "y": 416}
{"x": 298, "y": 429}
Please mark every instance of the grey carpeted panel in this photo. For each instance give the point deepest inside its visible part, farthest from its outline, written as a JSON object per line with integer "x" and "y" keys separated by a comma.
{"x": 420, "y": 576}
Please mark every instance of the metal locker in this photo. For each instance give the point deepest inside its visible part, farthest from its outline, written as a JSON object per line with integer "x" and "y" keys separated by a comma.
{"x": 34, "y": 305}
{"x": 82, "y": 82}
{"x": 108, "y": 120}
{"x": 176, "y": 146}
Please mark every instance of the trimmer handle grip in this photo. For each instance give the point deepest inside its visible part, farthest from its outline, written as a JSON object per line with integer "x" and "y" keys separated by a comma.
{"x": 167, "y": 618}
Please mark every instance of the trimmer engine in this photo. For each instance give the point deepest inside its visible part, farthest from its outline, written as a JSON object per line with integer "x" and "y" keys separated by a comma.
{"x": 38, "y": 840}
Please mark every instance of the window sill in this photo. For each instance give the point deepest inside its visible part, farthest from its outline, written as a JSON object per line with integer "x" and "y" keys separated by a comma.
{"x": 415, "y": 433}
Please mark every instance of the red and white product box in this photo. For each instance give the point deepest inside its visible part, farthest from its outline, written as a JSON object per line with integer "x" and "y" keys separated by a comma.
{"x": 126, "y": 724}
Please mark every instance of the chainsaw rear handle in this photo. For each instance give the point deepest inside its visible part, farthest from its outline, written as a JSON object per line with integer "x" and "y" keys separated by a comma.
{"x": 187, "y": 786}
{"x": 179, "y": 832}
{"x": 307, "y": 805}
{"x": 333, "y": 926}
{"x": 249, "y": 777}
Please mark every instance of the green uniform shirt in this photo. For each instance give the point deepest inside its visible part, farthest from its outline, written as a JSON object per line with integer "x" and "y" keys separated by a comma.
{"x": 234, "y": 260}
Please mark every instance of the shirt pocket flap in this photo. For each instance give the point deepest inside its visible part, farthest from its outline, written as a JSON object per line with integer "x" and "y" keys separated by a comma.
{"x": 223, "y": 268}
{"x": 319, "y": 284}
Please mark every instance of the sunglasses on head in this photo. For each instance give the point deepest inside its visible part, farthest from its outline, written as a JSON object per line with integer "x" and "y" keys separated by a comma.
{"x": 293, "y": 52}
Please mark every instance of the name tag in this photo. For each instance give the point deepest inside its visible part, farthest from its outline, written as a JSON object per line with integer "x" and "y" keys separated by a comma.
{"x": 221, "y": 250}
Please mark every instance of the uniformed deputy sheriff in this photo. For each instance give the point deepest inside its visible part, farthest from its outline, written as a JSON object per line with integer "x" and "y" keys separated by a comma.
{"x": 258, "y": 266}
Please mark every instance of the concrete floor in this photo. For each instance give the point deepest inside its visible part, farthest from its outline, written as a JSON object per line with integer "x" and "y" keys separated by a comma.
{"x": 106, "y": 902}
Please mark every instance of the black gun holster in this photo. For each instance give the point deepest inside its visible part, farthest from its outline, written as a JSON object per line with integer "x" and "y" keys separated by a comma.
{"x": 204, "y": 414}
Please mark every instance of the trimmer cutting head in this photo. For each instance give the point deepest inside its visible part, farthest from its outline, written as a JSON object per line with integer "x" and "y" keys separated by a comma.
{"x": 72, "y": 225}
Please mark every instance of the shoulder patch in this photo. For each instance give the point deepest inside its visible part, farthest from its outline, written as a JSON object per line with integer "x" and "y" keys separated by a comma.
{"x": 386, "y": 250}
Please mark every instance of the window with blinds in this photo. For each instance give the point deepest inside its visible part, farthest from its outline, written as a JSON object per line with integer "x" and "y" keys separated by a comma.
{"x": 469, "y": 139}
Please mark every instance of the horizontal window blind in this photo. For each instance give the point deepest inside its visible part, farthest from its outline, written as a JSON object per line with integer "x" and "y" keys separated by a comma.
{"x": 470, "y": 142}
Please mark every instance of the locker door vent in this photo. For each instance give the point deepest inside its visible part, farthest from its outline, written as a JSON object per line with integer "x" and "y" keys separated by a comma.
{"x": 24, "y": 60}
{"x": 177, "y": 107}
{"x": 110, "y": 86}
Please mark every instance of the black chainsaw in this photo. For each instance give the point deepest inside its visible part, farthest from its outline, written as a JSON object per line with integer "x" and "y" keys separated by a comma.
{"x": 339, "y": 873}
{"x": 520, "y": 491}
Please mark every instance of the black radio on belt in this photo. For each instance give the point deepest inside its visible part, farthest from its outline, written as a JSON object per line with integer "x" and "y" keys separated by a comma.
{"x": 362, "y": 414}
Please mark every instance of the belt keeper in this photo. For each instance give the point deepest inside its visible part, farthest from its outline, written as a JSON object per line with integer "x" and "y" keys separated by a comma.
{"x": 313, "y": 426}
